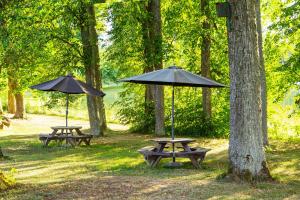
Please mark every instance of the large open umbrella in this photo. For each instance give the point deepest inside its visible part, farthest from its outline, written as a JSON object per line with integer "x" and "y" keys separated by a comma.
{"x": 68, "y": 85}
{"x": 173, "y": 76}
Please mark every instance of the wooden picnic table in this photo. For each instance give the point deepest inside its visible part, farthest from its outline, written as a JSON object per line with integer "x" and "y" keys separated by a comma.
{"x": 155, "y": 153}
{"x": 71, "y": 134}
{"x": 66, "y": 130}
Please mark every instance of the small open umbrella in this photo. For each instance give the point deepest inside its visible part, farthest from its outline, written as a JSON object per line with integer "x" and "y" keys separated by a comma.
{"x": 173, "y": 76}
{"x": 68, "y": 85}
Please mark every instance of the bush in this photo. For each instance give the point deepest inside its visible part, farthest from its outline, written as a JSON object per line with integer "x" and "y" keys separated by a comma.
{"x": 132, "y": 110}
{"x": 6, "y": 181}
{"x": 189, "y": 117}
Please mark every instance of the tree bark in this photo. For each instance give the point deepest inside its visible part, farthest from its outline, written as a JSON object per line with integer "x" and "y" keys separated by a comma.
{"x": 11, "y": 105}
{"x": 96, "y": 64}
{"x": 246, "y": 154}
{"x": 20, "y": 111}
{"x": 205, "y": 57}
{"x": 156, "y": 39}
{"x": 262, "y": 76}
{"x": 92, "y": 73}
{"x": 1, "y": 108}
{"x": 149, "y": 90}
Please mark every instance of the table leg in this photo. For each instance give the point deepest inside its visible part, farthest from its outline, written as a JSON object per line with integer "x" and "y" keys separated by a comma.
{"x": 78, "y": 131}
{"x": 54, "y": 131}
{"x": 191, "y": 157}
{"x": 156, "y": 159}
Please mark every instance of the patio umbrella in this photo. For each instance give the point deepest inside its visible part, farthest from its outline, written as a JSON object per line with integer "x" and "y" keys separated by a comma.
{"x": 68, "y": 85}
{"x": 173, "y": 76}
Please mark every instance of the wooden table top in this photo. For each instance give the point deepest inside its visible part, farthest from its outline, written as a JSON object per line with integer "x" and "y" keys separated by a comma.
{"x": 66, "y": 127}
{"x": 176, "y": 140}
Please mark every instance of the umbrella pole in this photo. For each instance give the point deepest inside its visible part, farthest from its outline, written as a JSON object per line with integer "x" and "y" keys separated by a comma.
{"x": 67, "y": 109}
{"x": 173, "y": 145}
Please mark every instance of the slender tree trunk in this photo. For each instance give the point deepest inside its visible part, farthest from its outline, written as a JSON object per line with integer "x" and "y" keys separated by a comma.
{"x": 91, "y": 63}
{"x": 246, "y": 154}
{"x": 20, "y": 111}
{"x": 149, "y": 89}
{"x": 262, "y": 76}
{"x": 156, "y": 38}
{"x": 1, "y": 108}
{"x": 96, "y": 64}
{"x": 205, "y": 57}
{"x": 11, "y": 106}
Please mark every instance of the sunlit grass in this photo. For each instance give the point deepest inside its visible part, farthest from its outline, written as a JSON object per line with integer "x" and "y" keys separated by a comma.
{"x": 78, "y": 108}
{"x": 111, "y": 167}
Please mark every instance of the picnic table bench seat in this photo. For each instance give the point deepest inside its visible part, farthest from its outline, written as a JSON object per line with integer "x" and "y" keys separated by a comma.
{"x": 46, "y": 138}
{"x": 72, "y": 139}
{"x": 86, "y": 139}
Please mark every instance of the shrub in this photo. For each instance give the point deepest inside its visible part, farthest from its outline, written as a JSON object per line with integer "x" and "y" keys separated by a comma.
{"x": 6, "y": 181}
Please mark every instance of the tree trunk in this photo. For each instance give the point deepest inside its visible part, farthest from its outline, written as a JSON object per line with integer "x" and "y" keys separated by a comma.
{"x": 96, "y": 64}
{"x": 20, "y": 111}
{"x": 92, "y": 74}
{"x": 262, "y": 76}
{"x": 11, "y": 106}
{"x": 156, "y": 39}
{"x": 246, "y": 154}
{"x": 205, "y": 57}
{"x": 1, "y": 108}
{"x": 147, "y": 54}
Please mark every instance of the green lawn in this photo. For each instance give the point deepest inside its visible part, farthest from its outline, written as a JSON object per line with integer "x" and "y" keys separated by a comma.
{"x": 111, "y": 168}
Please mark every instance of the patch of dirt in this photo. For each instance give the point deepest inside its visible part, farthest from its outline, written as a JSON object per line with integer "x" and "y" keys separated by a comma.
{"x": 105, "y": 188}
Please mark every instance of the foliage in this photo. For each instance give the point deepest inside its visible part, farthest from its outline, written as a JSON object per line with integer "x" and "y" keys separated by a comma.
{"x": 6, "y": 181}
{"x": 189, "y": 117}
{"x": 285, "y": 52}
{"x": 41, "y": 40}
{"x": 181, "y": 29}
{"x": 132, "y": 109}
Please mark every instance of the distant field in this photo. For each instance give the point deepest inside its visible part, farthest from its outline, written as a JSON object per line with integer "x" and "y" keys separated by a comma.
{"x": 78, "y": 109}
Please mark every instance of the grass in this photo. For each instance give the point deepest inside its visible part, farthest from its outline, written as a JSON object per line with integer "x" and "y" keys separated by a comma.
{"x": 111, "y": 168}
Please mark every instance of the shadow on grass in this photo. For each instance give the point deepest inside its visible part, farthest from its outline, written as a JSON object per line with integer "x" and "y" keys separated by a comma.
{"x": 129, "y": 187}
{"x": 115, "y": 155}
{"x": 56, "y": 170}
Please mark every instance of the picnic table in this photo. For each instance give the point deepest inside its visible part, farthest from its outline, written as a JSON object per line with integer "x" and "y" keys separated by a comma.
{"x": 71, "y": 134}
{"x": 153, "y": 154}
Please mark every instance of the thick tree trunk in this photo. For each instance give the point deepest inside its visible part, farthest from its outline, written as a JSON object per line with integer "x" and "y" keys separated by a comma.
{"x": 20, "y": 111}
{"x": 92, "y": 73}
{"x": 156, "y": 39}
{"x": 205, "y": 57}
{"x": 246, "y": 154}
{"x": 11, "y": 105}
{"x": 262, "y": 76}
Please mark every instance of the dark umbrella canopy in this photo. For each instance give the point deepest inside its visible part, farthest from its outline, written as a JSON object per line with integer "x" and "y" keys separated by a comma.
{"x": 68, "y": 85}
{"x": 173, "y": 76}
